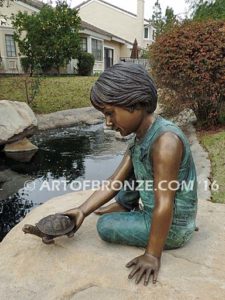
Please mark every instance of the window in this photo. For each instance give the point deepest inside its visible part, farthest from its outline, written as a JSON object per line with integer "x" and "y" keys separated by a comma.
{"x": 97, "y": 49}
{"x": 83, "y": 44}
{"x": 108, "y": 57}
{"x": 153, "y": 34}
{"x": 10, "y": 46}
{"x": 146, "y": 33}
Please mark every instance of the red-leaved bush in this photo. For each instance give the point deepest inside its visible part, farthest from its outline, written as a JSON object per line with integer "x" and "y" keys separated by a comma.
{"x": 190, "y": 59}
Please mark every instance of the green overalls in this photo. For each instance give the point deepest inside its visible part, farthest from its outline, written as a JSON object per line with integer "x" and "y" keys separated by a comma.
{"x": 133, "y": 227}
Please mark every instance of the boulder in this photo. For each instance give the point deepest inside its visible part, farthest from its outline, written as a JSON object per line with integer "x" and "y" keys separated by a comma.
{"x": 185, "y": 118}
{"x": 85, "y": 267}
{"x": 22, "y": 150}
{"x": 17, "y": 121}
{"x": 23, "y": 145}
{"x": 70, "y": 117}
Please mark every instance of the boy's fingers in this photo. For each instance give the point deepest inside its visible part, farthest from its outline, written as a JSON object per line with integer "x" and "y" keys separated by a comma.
{"x": 155, "y": 276}
{"x": 131, "y": 263}
{"x": 139, "y": 275}
{"x": 134, "y": 271}
{"x": 147, "y": 276}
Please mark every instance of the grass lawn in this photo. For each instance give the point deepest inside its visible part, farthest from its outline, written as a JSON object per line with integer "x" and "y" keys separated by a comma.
{"x": 214, "y": 143}
{"x": 56, "y": 93}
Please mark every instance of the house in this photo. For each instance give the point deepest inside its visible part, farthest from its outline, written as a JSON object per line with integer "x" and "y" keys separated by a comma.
{"x": 121, "y": 26}
{"x": 106, "y": 47}
{"x": 9, "y": 52}
{"x": 107, "y": 42}
{"x": 118, "y": 21}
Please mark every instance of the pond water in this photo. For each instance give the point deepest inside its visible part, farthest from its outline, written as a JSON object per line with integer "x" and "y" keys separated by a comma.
{"x": 65, "y": 159}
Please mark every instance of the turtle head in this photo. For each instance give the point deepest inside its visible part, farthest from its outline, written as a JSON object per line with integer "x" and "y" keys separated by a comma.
{"x": 27, "y": 228}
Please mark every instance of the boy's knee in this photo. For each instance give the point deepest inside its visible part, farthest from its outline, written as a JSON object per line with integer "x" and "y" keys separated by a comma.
{"x": 104, "y": 228}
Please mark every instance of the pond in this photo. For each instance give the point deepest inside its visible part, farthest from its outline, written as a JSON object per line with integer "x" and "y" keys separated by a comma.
{"x": 65, "y": 159}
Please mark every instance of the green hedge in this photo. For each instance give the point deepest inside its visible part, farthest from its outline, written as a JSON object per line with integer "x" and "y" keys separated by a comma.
{"x": 85, "y": 64}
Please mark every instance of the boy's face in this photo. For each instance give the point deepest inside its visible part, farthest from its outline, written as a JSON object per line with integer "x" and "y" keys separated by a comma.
{"x": 122, "y": 120}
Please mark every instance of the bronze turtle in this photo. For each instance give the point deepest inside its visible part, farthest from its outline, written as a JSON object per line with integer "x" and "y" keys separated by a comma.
{"x": 51, "y": 227}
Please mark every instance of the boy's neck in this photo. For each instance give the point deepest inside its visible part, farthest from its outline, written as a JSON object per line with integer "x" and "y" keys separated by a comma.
{"x": 146, "y": 124}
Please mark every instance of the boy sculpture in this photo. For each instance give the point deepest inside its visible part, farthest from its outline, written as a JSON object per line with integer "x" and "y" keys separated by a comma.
{"x": 159, "y": 156}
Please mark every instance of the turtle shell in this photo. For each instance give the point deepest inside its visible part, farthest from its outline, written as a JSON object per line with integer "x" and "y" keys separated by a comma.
{"x": 55, "y": 225}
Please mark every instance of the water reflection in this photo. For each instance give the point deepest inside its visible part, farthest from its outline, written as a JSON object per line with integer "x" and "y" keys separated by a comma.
{"x": 83, "y": 153}
{"x": 12, "y": 211}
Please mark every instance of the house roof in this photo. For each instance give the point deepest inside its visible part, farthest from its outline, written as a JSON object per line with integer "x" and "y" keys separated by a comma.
{"x": 107, "y": 3}
{"x": 85, "y": 25}
{"x": 34, "y": 3}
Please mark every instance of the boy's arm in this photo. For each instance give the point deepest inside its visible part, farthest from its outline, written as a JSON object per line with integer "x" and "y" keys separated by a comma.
{"x": 166, "y": 157}
{"x": 102, "y": 196}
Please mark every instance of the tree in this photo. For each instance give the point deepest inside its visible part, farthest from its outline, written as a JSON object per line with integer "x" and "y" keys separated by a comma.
{"x": 170, "y": 19}
{"x": 207, "y": 9}
{"x": 49, "y": 38}
{"x": 157, "y": 20}
{"x": 165, "y": 23}
{"x": 210, "y": 10}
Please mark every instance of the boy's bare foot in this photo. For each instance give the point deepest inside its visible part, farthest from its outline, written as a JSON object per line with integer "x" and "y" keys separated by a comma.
{"x": 113, "y": 207}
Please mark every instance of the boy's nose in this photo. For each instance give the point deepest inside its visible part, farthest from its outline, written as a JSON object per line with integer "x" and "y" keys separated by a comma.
{"x": 108, "y": 121}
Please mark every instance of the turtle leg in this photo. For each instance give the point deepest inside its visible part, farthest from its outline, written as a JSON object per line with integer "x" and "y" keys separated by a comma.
{"x": 47, "y": 239}
{"x": 70, "y": 234}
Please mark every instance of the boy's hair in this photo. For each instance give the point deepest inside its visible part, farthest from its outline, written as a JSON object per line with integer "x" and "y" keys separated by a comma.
{"x": 126, "y": 85}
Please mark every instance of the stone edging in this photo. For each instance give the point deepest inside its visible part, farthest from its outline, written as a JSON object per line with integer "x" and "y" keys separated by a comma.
{"x": 202, "y": 163}
{"x": 70, "y": 117}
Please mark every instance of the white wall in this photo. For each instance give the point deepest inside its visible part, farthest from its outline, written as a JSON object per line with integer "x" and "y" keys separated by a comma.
{"x": 114, "y": 20}
{"x": 11, "y": 64}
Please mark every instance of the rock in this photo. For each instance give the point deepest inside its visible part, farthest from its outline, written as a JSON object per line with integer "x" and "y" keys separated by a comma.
{"x": 65, "y": 118}
{"x": 17, "y": 121}
{"x": 185, "y": 117}
{"x": 202, "y": 164}
{"x": 85, "y": 267}
{"x": 25, "y": 156}
{"x": 22, "y": 150}
{"x": 20, "y": 146}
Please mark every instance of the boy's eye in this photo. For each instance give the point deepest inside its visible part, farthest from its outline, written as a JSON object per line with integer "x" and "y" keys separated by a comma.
{"x": 108, "y": 113}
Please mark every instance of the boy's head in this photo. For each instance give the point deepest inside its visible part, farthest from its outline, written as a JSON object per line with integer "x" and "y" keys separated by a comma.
{"x": 125, "y": 85}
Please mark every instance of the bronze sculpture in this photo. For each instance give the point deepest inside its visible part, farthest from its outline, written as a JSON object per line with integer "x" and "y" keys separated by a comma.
{"x": 127, "y": 96}
{"x": 51, "y": 227}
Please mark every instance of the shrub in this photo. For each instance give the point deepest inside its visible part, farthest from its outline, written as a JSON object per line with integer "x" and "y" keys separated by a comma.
{"x": 26, "y": 64}
{"x": 190, "y": 60}
{"x": 169, "y": 103}
{"x": 85, "y": 64}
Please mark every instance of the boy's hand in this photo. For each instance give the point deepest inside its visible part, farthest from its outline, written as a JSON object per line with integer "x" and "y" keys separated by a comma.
{"x": 77, "y": 215}
{"x": 144, "y": 266}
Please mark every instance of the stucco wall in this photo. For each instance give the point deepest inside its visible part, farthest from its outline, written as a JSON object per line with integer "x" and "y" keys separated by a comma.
{"x": 111, "y": 20}
{"x": 11, "y": 64}
{"x": 116, "y": 50}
